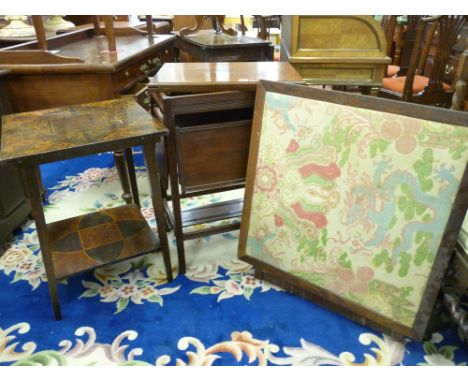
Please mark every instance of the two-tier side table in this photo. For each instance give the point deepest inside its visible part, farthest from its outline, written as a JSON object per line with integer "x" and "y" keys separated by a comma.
{"x": 82, "y": 243}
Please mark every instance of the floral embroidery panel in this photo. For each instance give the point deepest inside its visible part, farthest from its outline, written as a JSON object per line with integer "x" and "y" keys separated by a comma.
{"x": 354, "y": 201}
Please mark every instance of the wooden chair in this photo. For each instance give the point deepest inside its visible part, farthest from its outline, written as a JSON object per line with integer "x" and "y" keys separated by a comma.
{"x": 410, "y": 36}
{"x": 411, "y": 84}
{"x": 388, "y": 24}
{"x": 264, "y": 22}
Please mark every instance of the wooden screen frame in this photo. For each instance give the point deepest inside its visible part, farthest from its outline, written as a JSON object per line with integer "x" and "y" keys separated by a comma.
{"x": 326, "y": 297}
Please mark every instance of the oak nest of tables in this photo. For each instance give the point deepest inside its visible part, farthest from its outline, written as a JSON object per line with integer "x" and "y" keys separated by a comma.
{"x": 82, "y": 243}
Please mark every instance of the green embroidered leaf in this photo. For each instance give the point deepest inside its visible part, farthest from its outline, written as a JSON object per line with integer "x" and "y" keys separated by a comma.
{"x": 426, "y": 218}
{"x": 405, "y": 260}
{"x": 420, "y": 209}
{"x": 429, "y": 348}
{"x": 89, "y": 293}
{"x": 309, "y": 247}
{"x": 378, "y": 146}
{"x": 236, "y": 277}
{"x": 156, "y": 298}
{"x": 34, "y": 248}
{"x": 121, "y": 304}
{"x": 141, "y": 263}
{"x": 202, "y": 290}
{"x": 323, "y": 239}
{"x": 409, "y": 213}
{"x": 448, "y": 351}
{"x": 383, "y": 258}
{"x": 427, "y": 185}
{"x": 18, "y": 276}
{"x": 392, "y": 222}
{"x": 344, "y": 261}
{"x": 457, "y": 151}
{"x": 44, "y": 358}
{"x": 405, "y": 292}
{"x": 423, "y": 168}
{"x": 248, "y": 292}
{"x": 344, "y": 157}
{"x": 406, "y": 189}
{"x": 135, "y": 363}
{"x": 421, "y": 254}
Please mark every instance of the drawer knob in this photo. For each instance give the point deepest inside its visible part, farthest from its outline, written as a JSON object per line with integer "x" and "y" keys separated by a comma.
{"x": 127, "y": 74}
{"x": 144, "y": 68}
{"x": 448, "y": 69}
{"x": 156, "y": 61}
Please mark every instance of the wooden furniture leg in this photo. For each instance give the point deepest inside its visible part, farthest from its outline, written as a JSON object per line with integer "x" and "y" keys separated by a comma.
{"x": 40, "y": 184}
{"x": 40, "y": 34}
{"x": 110, "y": 33}
{"x": 149, "y": 27}
{"x": 156, "y": 196}
{"x": 175, "y": 197}
{"x": 123, "y": 176}
{"x": 96, "y": 24}
{"x": 258, "y": 274}
{"x": 132, "y": 175}
{"x": 195, "y": 29}
{"x": 34, "y": 195}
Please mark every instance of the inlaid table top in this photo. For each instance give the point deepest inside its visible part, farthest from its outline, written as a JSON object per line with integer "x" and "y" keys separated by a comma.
{"x": 66, "y": 132}
{"x": 200, "y": 76}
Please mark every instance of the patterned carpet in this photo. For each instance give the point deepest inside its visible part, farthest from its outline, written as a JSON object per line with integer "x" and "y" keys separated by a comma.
{"x": 216, "y": 314}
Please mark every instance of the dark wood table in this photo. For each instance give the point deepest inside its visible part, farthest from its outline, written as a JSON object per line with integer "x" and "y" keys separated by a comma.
{"x": 85, "y": 242}
{"x": 208, "y": 110}
{"x": 79, "y": 68}
{"x": 209, "y": 46}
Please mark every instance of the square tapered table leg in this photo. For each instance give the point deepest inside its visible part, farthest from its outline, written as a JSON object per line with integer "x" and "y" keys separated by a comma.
{"x": 33, "y": 191}
{"x": 156, "y": 197}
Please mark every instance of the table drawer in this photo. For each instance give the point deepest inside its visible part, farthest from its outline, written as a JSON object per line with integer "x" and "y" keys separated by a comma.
{"x": 138, "y": 71}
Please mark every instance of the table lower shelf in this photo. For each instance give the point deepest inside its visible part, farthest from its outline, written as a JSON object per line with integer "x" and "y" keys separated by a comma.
{"x": 85, "y": 242}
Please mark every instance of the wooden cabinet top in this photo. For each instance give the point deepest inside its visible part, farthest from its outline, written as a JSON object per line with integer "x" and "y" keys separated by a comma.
{"x": 94, "y": 51}
{"x": 80, "y": 52}
{"x": 209, "y": 39}
{"x": 203, "y": 76}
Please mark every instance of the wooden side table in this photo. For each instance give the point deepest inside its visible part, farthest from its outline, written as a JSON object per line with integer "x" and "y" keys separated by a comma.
{"x": 85, "y": 242}
{"x": 209, "y": 136}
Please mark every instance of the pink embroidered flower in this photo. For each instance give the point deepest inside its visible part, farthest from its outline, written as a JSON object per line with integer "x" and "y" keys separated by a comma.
{"x": 148, "y": 291}
{"x": 266, "y": 179}
{"x": 353, "y": 282}
{"x": 233, "y": 288}
{"x": 278, "y": 221}
{"x": 107, "y": 291}
{"x": 128, "y": 290}
{"x": 293, "y": 146}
